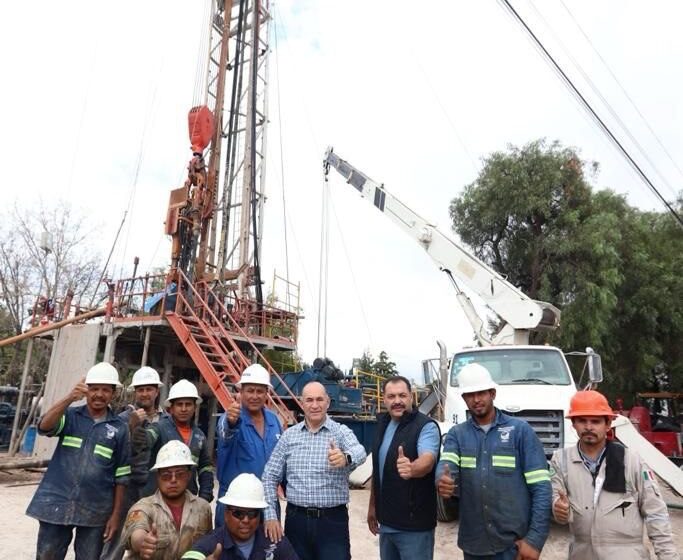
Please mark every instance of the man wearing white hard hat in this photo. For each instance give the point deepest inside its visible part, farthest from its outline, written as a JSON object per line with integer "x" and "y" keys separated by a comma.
{"x": 500, "y": 467}
{"x": 182, "y": 403}
{"x": 241, "y": 537}
{"x": 247, "y": 432}
{"x": 84, "y": 486}
{"x": 165, "y": 525}
{"x": 146, "y": 384}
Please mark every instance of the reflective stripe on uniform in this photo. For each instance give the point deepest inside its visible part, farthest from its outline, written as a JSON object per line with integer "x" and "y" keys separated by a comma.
{"x": 452, "y": 457}
{"x": 532, "y": 477}
{"x": 122, "y": 471}
{"x": 468, "y": 462}
{"x": 72, "y": 441}
{"x": 195, "y": 459}
{"x": 60, "y": 426}
{"x": 507, "y": 461}
{"x": 206, "y": 469}
{"x": 193, "y": 555}
{"x": 102, "y": 451}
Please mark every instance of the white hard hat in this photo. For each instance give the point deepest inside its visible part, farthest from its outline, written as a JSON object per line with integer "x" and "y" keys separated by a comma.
{"x": 146, "y": 376}
{"x": 245, "y": 491}
{"x": 473, "y": 378}
{"x": 173, "y": 454}
{"x": 103, "y": 373}
{"x": 183, "y": 389}
{"x": 255, "y": 374}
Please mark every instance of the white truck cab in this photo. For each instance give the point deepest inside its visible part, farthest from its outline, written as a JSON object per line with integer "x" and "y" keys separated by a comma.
{"x": 534, "y": 383}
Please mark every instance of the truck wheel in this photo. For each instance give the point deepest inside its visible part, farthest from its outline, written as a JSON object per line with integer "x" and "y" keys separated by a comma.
{"x": 447, "y": 509}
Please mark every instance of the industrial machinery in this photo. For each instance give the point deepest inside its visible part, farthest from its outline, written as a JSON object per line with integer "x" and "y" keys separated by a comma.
{"x": 534, "y": 382}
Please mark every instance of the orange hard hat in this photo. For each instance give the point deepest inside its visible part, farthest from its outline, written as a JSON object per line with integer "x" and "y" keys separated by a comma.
{"x": 589, "y": 403}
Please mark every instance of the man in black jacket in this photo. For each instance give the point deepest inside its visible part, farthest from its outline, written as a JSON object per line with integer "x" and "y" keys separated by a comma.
{"x": 402, "y": 506}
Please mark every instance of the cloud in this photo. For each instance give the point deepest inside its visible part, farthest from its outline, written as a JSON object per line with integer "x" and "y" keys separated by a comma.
{"x": 414, "y": 97}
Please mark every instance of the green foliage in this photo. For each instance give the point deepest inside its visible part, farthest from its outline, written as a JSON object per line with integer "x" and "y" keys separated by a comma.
{"x": 383, "y": 367}
{"x": 615, "y": 271}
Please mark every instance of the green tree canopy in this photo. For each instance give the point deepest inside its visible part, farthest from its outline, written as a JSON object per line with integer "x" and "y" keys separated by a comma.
{"x": 614, "y": 270}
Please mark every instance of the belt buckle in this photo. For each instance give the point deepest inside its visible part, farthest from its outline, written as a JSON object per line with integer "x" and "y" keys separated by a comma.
{"x": 313, "y": 512}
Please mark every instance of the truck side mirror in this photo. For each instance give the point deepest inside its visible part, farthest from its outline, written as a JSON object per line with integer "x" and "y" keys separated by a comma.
{"x": 594, "y": 366}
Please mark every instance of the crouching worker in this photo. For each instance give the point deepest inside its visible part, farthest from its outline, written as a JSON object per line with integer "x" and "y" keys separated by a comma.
{"x": 164, "y": 525}
{"x": 241, "y": 537}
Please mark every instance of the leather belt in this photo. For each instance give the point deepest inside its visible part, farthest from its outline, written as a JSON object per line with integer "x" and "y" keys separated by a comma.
{"x": 315, "y": 511}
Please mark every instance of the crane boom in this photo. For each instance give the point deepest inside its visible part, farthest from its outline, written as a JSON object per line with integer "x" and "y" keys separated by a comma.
{"x": 520, "y": 314}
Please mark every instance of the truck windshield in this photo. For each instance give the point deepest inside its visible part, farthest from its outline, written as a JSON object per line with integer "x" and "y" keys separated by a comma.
{"x": 516, "y": 367}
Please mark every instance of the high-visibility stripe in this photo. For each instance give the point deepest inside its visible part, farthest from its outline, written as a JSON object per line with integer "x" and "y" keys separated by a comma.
{"x": 452, "y": 457}
{"x": 532, "y": 477}
{"x": 60, "y": 426}
{"x": 122, "y": 471}
{"x": 206, "y": 469}
{"x": 72, "y": 441}
{"x": 101, "y": 450}
{"x": 468, "y": 462}
{"x": 193, "y": 555}
{"x": 507, "y": 461}
{"x": 195, "y": 459}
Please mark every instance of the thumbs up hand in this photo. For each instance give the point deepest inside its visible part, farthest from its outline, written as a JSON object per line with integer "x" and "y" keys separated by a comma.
{"x": 445, "y": 485}
{"x": 216, "y": 554}
{"x": 233, "y": 412}
{"x": 561, "y": 507}
{"x": 404, "y": 465}
{"x": 149, "y": 544}
{"x": 80, "y": 391}
{"x": 335, "y": 456}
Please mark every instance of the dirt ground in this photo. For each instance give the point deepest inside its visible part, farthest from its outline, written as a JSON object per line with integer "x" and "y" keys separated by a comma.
{"x": 18, "y": 532}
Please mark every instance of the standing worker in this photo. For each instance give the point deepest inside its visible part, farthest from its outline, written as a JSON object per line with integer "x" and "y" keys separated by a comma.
{"x": 247, "y": 432}
{"x": 502, "y": 473}
{"x": 179, "y": 424}
{"x": 241, "y": 535}
{"x": 605, "y": 492}
{"x": 402, "y": 506}
{"x": 84, "y": 486}
{"x": 146, "y": 385}
{"x": 164, "y": 526}
{"x": 316, "y": 456}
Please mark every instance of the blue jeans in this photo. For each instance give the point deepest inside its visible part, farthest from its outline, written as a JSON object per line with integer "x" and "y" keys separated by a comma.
{"x": 319, "y": 537}
{"x": 54, "y": 540}
{"x": 507, "y": 554}
{"x": 407, "y": 545}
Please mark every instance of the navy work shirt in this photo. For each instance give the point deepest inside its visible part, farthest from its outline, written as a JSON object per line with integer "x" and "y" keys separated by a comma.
{"x": 90, "y": 459}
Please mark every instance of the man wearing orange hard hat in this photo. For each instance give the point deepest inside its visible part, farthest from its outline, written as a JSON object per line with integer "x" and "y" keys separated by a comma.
{"x": 606, "y": 492}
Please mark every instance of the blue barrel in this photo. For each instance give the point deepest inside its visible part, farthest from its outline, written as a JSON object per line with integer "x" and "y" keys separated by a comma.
{"x": 29, "y": 440}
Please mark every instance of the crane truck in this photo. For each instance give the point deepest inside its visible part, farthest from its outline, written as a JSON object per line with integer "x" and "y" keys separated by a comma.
{"x": 534, "y": 382}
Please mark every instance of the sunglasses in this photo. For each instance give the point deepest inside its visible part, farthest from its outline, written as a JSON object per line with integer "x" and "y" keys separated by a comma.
{"x": 242, "y": 513}
{"x": 170, "y": 475}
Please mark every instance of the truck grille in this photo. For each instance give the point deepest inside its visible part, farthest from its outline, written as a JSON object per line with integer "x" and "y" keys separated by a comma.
{"x": 548, "y": 425}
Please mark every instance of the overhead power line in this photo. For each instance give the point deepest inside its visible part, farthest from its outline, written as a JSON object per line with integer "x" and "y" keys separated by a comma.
{"x": 612, "y": 112}
{"x": 568, "y": 82}
{"x": 623, "y": 90}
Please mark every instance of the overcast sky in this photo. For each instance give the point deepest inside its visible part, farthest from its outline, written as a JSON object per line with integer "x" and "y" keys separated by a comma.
{"x": 95, "y": 99}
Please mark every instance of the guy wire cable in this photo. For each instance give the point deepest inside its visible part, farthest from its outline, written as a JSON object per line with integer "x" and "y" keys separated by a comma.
{"x": 591, "y": 111}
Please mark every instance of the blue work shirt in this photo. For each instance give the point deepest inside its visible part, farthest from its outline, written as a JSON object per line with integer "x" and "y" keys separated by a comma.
{"x": 263, "y": 548}
{"x": 241, "y": 449}
{"x": 504, "y": 484}
{"x": 90, "y": 459}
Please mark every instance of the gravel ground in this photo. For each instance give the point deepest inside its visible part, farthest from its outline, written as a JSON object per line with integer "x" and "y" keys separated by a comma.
{"x": 18, "y": 533}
